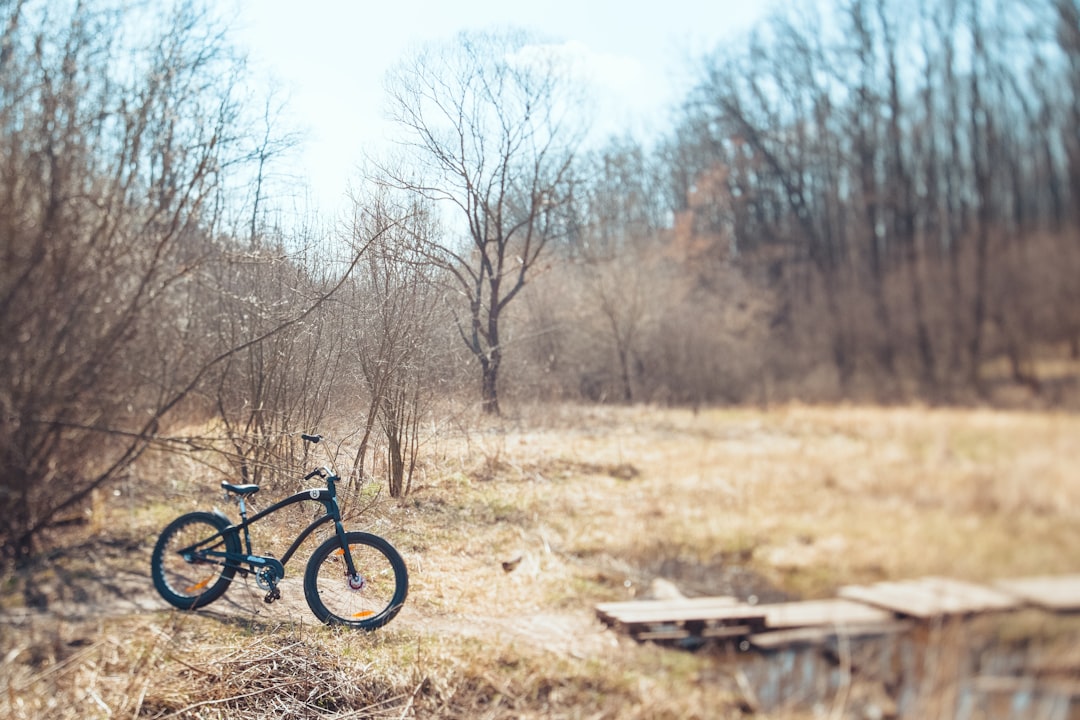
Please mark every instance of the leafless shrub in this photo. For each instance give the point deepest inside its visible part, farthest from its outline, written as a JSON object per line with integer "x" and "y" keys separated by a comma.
{"x": 119, "y": 150}
{"x": 111, "y": 157}
{"x": 391, "y": 317}
{"x": 274, "y": 389}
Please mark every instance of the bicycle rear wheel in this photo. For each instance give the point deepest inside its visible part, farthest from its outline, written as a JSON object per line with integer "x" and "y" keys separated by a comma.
{"x": 190, "y": 580}
{"x": 367, "y": 600}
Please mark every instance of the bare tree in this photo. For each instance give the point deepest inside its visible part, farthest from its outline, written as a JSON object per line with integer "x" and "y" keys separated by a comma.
{"x": 488, "y": 122}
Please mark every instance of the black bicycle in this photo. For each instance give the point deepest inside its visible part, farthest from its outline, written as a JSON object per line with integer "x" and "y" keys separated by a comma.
{"x": 354, "y": 578}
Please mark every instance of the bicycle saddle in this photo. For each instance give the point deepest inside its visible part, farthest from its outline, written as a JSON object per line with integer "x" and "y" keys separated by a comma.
{"x": 240, "y": 489}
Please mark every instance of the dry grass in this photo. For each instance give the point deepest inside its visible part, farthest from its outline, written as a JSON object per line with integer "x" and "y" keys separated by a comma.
{"x": 584, "y": 504}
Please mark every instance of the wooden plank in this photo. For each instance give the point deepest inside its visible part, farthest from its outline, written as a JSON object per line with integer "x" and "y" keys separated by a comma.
{"x": 973, "y": 596}
{"x": 896, "y": 597}
{"x": 820, "y": 635}
{"x": 681, "y": 632}
{"x": 1059, "y": 593}
{"x": 668, "y": 613}
{"x": 610, "y": 612}
{"x": 822, "y": 612}
{"x": 930, "y": 597}
{"x": 670, "y": 632}
{"x": 909, "y": 597}
{"x": 726, "y": 631}
{"x": 698, "y": 602}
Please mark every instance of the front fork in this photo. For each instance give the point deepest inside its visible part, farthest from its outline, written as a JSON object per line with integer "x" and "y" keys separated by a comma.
{"x": 334, "y": 510}
{"x": 350, "y": 567}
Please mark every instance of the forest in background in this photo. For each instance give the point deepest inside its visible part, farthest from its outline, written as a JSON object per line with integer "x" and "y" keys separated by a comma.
{"x": 877, "y": 203}
{"x": 871, "y": 201}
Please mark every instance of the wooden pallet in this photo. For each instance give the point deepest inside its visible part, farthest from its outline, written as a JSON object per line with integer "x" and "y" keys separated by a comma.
{"x": 859, "y": 611}
{"x": 932, "y": 597}
{"x": 679, "y": 619}
{"x": 724, "y": 618}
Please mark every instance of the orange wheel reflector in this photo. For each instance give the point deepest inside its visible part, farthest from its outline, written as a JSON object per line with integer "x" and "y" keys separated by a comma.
{"x": 198, "y": 586}
{"x": 364, "y": 614}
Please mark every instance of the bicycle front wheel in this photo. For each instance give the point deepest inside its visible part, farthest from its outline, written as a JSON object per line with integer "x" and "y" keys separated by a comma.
{"x": 182, "y": 573}
{"x": 367, "y": 600}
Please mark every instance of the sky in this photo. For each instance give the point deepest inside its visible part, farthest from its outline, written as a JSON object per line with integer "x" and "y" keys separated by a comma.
{"x": 329, "y": 57}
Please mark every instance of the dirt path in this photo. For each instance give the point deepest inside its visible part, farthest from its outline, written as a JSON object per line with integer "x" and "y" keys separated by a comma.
{"x": 77, "y": 601}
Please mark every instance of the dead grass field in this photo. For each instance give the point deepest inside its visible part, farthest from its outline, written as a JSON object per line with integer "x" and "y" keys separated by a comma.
{"x": 587, "y": 504}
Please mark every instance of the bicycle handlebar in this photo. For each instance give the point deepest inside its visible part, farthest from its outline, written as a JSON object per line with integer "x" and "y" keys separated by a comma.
{"x": 321, "y": 472}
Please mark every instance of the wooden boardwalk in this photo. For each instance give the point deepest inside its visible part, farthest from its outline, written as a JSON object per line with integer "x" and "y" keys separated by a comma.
{"x": 859, "y": 611}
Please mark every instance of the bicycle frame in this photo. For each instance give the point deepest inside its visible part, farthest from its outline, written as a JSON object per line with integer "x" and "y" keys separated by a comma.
{"x": 327, "y": 496}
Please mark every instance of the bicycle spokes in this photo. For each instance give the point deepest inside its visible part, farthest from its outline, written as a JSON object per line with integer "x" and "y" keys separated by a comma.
{"x": 184, "y": 576}
{"x": 372, "y": 592}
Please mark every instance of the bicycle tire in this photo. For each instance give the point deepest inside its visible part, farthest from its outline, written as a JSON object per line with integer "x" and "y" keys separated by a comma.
{"x": 368, "y": 601}
{"x": 189, "y": 585}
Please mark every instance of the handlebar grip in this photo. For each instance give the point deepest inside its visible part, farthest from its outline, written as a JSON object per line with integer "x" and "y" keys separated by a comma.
{"x": 315, "y": 439}
{"x": 317, "y": 472}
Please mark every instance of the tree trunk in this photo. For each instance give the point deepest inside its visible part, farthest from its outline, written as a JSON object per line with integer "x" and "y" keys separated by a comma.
{"x": 489, "y": 382}
{"x": 982, "y": 161}
{"x": 624, "y": 371}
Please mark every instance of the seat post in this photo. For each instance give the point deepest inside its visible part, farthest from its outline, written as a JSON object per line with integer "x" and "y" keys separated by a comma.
{"x": 243, "y": 521}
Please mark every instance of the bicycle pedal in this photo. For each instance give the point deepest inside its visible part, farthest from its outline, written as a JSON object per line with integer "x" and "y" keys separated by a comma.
{"x": 271, "y": 596}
